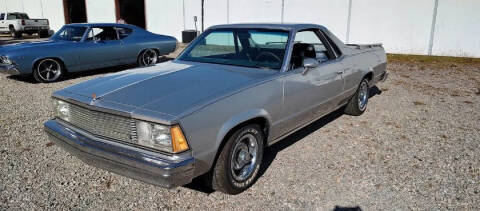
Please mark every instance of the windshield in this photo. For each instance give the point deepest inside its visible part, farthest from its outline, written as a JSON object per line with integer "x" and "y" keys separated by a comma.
{"x": 242, "y": 47}
{"x": 70, "y": 33}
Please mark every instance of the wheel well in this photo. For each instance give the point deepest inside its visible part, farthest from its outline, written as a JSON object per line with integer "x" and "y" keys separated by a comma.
{"x": 369, "y": 76}
{"x": 11, "y": 26}
{"x": 54, "y": 58}
{"x": 261, "y": 121}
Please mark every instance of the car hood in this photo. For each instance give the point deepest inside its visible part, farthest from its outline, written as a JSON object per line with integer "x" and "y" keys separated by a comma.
{"x": 26, "y": 45}
{"x": 174, "y": 88}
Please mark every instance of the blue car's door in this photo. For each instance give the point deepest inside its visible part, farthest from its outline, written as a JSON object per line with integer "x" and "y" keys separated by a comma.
{"x": 101, "y": 48}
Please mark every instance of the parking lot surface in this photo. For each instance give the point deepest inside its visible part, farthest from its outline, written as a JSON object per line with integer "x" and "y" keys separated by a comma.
{"x": 416, "y": 147}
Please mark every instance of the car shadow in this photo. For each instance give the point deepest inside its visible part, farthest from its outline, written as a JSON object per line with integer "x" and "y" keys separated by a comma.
{"x": 271, "y": 152}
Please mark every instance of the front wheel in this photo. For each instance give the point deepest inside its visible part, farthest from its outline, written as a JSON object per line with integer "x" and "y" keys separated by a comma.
{"x": 148, "y": 57}
{"x": 48, "y": 70}
{"x": 239, "y": 162}
{"x": 358, "y": 103}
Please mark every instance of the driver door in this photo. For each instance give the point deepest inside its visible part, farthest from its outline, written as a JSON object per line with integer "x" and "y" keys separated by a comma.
{"x": 102, "y": 48}
{"x": 313, "y": 93}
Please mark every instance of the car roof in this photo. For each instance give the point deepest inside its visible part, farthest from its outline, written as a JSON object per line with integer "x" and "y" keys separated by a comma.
{"x": 280, "y": 26}
{"x": 101, "y": 24}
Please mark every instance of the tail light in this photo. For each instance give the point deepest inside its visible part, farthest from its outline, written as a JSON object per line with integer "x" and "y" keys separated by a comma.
{"x": 23, "y": 22}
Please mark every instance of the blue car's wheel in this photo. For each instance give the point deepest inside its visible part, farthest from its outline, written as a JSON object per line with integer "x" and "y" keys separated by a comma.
{"x": 48, "y": 70}
{"x": 148, "y": 57}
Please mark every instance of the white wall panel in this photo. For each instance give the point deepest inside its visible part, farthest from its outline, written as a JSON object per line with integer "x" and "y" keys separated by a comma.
{"x": 101, "y": 11}
{"x": 216, "y": 12}
{"x": 332, "y": 14}
{"x": 13, "y": 5}
{"x": 53, "y": 11}
{"x": 457, "y": 32}
{"x": 243, "y": 11}
{"x": 165, "y": 17}
{"x": 33, "y": 8}
{"x": 193, "y": 8}
{"x": 402, "y": 26}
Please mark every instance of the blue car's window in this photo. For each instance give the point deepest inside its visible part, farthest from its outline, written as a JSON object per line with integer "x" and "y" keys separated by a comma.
{"x": 242, "y": 47}
{"x": 70, "y": 33}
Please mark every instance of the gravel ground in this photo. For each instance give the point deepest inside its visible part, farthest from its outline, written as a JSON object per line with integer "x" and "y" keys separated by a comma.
{"x": 417, "y": 147}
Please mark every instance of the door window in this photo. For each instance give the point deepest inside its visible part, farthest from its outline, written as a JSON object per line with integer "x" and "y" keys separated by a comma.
{"x": 102, "y": 34}
{"x": 308, "y": 45}
{"x": 123, "y": 32}
{"x": 2, "y": 16}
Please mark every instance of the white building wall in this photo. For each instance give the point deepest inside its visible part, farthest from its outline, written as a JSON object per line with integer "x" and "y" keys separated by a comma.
{"x": 53, "y": 11}
{"x": 457, "y": 32}
{"x": 216, "y": 12}
{"x": 248, "y": 11}
{"x": 332, "y": 14}
{"x": 101, "y": 11}
{"x": 192, "y": 8}
{"x": 165, "y": 17}
{"x": 402, "y": 26}
{"x": 13, "y": 5}
{"x": 33, "y": 8}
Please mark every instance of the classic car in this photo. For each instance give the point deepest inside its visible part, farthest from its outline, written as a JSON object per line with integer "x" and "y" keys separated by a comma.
{"x": 212, "y": 111}
{"x": 80, "y": 47}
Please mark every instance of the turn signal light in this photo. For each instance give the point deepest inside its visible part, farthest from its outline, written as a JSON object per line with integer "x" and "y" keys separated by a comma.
{"x": 178, "y": 139}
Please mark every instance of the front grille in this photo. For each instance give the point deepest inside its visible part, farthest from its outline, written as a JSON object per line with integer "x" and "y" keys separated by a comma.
{"x": 103, "y": 124}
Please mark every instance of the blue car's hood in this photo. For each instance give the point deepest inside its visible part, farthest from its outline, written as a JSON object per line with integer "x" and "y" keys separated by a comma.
{"x": 26, "y": 45}
{"x": 173, "y": 88}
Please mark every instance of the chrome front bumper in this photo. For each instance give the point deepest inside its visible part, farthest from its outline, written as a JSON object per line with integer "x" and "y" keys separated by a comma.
{"x": 155, "y": 168}
{"x": 9, "y": 69}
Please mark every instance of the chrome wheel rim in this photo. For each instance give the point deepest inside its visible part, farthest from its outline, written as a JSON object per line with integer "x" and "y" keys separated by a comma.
{"x": 244, "y": 157}
{"x": 149, "y": 57}
{"x": 363, "y": 96}
{"x": 49, "y": 70}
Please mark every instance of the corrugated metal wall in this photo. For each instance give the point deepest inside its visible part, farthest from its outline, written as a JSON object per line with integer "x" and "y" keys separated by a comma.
{"x": 437, "y": 27}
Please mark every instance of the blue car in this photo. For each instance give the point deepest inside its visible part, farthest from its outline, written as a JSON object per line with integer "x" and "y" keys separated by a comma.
{"x": 80, "y": 47}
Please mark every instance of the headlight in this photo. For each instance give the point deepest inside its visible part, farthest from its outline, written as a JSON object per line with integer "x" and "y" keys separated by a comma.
{"x": 5, "y": 60}
{"x": 161, "y": 137}
{"x": 62, "y": 109}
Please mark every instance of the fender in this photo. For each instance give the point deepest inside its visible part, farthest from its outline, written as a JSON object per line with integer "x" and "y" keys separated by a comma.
{"x": 239, "y": 119}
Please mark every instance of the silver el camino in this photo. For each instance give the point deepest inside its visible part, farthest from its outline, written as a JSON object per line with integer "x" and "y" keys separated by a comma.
{"x": 211, "y": 112}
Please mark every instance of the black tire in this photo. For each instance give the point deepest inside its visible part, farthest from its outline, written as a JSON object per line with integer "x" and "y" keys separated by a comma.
{"x": 14, "y": 33}
{"x": 43, "y": 34}
{"x": 354, "y": 107}
{"x": 39, "y": 71}
{"x": 147, "y": 57}
{"x": 223, "y": 178}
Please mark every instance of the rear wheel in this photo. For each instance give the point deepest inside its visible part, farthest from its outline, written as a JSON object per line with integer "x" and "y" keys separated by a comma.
{"x": 358, "y": 103}
{"x": 48, "y": 70}
{"x": 43, "y": 34}
{"x": 239, "y": 161}
{"x": 148, "y": 57}
{"x": 14, "y": 33}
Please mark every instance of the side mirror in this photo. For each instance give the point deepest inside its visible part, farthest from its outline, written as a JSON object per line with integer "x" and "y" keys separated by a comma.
{"x": 309, "y": 63}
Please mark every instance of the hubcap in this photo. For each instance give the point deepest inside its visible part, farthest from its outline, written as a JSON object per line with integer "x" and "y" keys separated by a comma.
{"x": 244, "y": 157}
{"x": 363, "y": 96}
{"x": 149, "y": 57}
{"x": 49, "y": 70}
